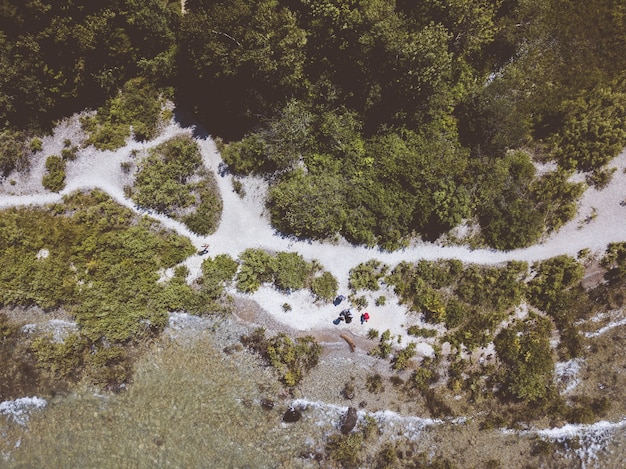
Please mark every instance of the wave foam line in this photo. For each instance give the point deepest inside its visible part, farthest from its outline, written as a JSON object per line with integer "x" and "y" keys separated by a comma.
{"x": 19, "y": 409}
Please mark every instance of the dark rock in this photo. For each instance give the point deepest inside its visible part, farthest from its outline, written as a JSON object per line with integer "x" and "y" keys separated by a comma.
{"x": 267, "y": 404}
{"x": 348, "y": 421}
{"x": 231, "y": 349}
{"x": 348, "y": 391}
{"x": 292, "y": 415}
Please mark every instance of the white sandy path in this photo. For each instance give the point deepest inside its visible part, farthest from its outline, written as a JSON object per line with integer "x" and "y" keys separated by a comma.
{"x": 245, "y": 224}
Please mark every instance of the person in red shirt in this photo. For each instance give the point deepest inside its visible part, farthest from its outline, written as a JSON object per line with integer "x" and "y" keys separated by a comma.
{"x": 365, "y": 317}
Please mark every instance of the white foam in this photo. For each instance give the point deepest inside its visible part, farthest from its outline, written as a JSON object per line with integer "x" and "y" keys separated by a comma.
{"x": 19, "y": 410}
{"x": 608, "y": 327}
{"x": 591, "y": 438}
{"x": 389, "y": 422}
{"x": 566, "y": 375}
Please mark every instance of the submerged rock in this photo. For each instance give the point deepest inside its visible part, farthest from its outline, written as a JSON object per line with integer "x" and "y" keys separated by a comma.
{"x": 267, "y": 404}
{"x": 292, "y": 415}
{"x": 348, "y": 421}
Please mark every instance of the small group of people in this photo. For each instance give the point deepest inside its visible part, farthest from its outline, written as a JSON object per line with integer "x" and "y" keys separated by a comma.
{"x": 346, "y": 314}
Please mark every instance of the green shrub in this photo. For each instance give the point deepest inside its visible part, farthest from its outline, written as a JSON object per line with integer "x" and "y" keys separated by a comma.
{"x": 137, "y": 106}
{"x": 557, "y": 198}
{"x": 54, "y": 179}
{"x": 345, "y": 449}
{"x": 384, "y": 347}
{"x": 381, "y": 300}
{"x": 554, "y": 276}
{"x": 206, "y": 216}
{"x": 62, "y": 359}
{"x": 286, "y": 271}
{"x": 374, "y": 383}
{"x": 325, "y": 286}
{"x": 422, "y": 378}
{"x": 367, "y": 276}
{"x": 418, "y": 331}
{"x": 291, "y": 271}
{"x": 36, "y": 144}
{"x": 103, "y": 265}
{"x": 177, "y": 295}
{"x": 6, "y": 327}
{"x": 359, "y": 301}
{"x": 257, "y": 267}
{"x": 587, "y": 411}
{"x": 401, "y": 359}
{"x": 308, "y": 206}
{"x": 594, "y": 130}
{"x": 600, "y": 178}
{"x": 238, "y": 188}
{"x": 246, "y": 156}
{"x": 222, "y": 268}
{"x": 108, "y": 366}
{"x": 162, "y": 183}
{"x": 525, "y": 351}
{"x": 161, "y": 178}
{"x": 12, "y": 154}
{"x": 292, "y": 359}
{"x": 69, "y": 154}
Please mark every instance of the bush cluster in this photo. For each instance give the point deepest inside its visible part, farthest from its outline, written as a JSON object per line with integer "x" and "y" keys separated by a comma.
{"x": 171, "y": 181}
{"x": 287, "y": 271}
{"x": 137, "y": 107}
{"x": 54, "y": 179}
{"x": 100, "y": 262}
{"x": 367, "y": 276}
{"x": 291, "y": 358}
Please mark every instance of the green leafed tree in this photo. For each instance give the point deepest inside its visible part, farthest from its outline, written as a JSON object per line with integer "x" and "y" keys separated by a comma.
{"x": 308, "y": 206}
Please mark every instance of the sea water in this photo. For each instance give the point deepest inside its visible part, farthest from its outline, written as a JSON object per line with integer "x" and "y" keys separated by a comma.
{"x": 195, "y": 401}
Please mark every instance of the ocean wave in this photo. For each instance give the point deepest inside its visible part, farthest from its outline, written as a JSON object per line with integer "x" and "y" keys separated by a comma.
{"x": 19, "y": 410}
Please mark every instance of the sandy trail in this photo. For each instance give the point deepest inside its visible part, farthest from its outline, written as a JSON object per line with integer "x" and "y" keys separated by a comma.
{"x": 601, "y": 220}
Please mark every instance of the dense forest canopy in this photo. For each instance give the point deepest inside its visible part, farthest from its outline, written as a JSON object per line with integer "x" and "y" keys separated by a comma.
{"x": 376, "y": 120}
